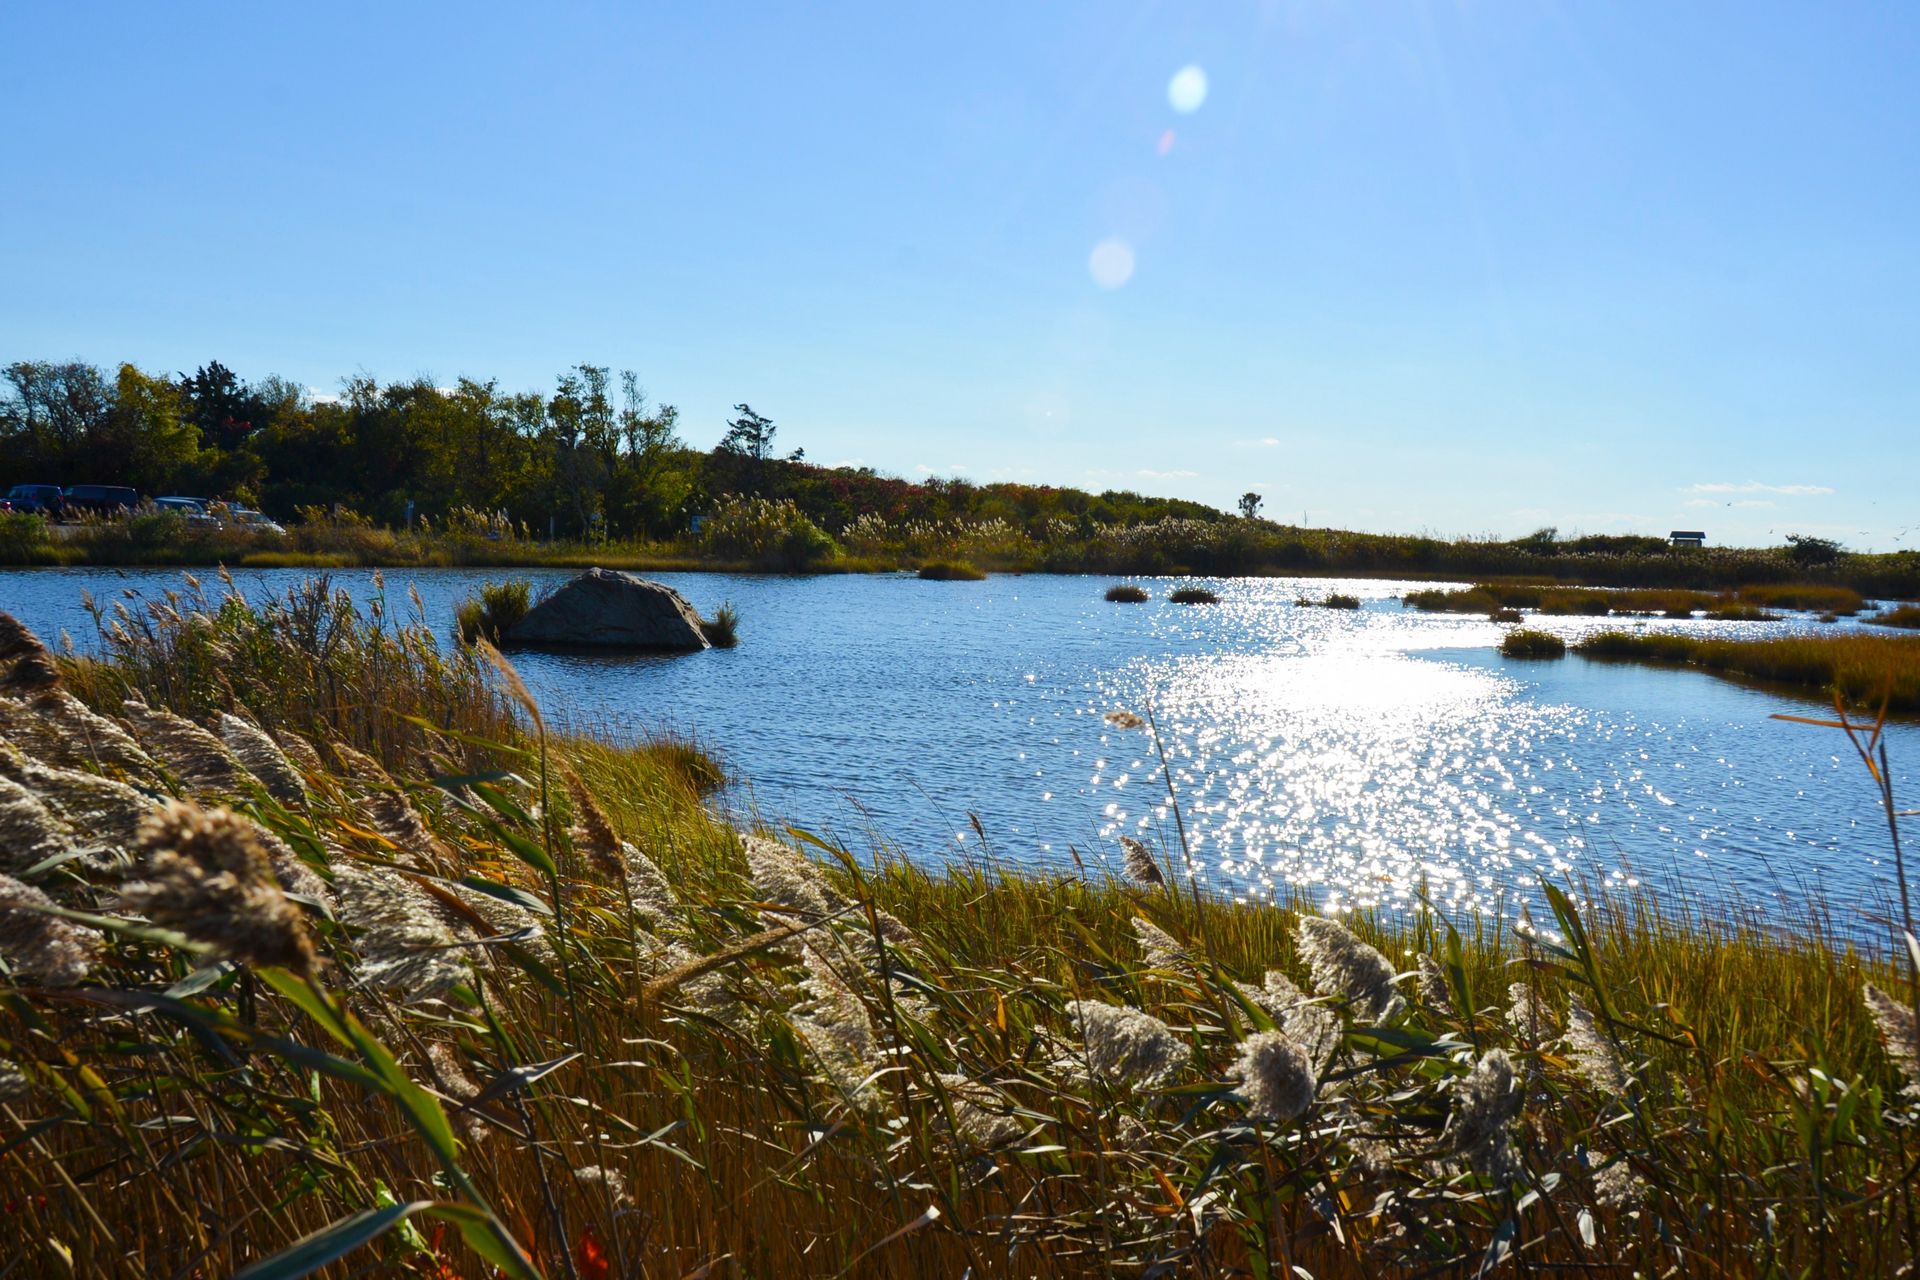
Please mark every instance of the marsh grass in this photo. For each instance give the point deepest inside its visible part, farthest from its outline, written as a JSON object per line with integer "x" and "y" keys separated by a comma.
{"x": 1906, "y": 617}
{"x": 1338, "y": 601}
{"x": 1866, "y": 670}
{"x": 1193, "y": 595}
{"x": 722, "y": 630}
{"x": 1126, "y": 593}
{"x": 1526, "y": 642}
{"x": 566, "y": 1021}
{"x": 494, "y": 611}
{"x": 1744, "y": 604}
{"x": 951, "y": 571}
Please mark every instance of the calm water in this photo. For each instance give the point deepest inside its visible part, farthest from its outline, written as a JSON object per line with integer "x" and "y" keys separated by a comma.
{"x": 1348, "y": 756}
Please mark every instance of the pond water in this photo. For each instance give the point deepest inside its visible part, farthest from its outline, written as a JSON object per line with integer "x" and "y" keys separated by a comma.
{"x": 1347, "y": 757}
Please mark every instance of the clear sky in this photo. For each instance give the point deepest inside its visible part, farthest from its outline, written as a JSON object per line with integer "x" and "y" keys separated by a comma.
{"x": 1460, "y": 267}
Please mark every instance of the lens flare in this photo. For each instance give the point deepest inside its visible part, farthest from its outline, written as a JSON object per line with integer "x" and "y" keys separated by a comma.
{"x": 1187, "y": 90}
{"x": 1111, "y": 263}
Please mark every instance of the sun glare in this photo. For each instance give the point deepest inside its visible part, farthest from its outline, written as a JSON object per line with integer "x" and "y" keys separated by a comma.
{"x": 1187, "y": 90}
{"x": 1111, "y": 263}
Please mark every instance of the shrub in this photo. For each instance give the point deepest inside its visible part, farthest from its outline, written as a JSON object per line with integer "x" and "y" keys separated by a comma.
{"x": 492, "y": 613}
{"x": 950, "y": 571}
{"x": 722, "y": 630}
{"x": 1528, "y": 642}
{"x": 1807, "y": 596}
{"x": 1127, "y": 593}
{"x": 1193, "y": 595}
{"x": 766, "y": 534}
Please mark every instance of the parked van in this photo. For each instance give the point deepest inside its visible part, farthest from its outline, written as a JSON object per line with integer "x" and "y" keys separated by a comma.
{"x": 38, "y": 499}
{"x": 99, "y": 499}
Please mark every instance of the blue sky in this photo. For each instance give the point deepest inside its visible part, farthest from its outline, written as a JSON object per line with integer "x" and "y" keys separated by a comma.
{"x": 1460, "y": 267}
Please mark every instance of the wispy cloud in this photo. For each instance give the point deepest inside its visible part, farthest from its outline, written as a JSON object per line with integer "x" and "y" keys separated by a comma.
{"x": 1754, "y": 486}
{"x": 1147, "y": 473}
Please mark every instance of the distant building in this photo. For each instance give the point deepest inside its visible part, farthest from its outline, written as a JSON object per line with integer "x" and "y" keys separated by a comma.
{"x": 1687, "y": 538}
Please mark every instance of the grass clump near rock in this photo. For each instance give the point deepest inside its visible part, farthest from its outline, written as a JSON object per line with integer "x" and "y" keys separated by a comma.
{"x": 1863, "y": 669}
{"x": 1906, "y": 617}
{"x": 951, "y": 571}
{"x": 1126, "y": 593}
{"x": 1193, "y": 595}
{"x": 477, "y": 997}
{"x": 1530, "y": 642}
{"x": 722, "y": 630}
{"x": 491, "y": 614}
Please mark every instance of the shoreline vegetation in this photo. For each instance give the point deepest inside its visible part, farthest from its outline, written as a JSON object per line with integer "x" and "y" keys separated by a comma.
{"x": 747, "y": 534}
{"x": 320, "y": 947}
{"x": 1865, "y": 670}
{"x": 417, "y": 473}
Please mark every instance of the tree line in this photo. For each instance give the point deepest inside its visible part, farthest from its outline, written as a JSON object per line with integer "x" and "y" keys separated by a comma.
{"x": 593, "y": 457}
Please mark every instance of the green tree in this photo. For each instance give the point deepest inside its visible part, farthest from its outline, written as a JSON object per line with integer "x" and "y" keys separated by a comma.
{"x": 1250, "y": 504}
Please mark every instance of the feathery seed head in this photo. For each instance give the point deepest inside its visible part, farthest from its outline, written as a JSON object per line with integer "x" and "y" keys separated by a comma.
{"x": 1898, "y": 1032}
{"x": 783, "y": 875}
{"x": 1532, "y": 1021}
{"x": 29, "y": 833}
{"x": 1142, "y": 868}
{"x": 209, "y": 876}
{"x": 1594, "y": 1056}
{"x": 1433, "y": 986}
{"x": 1123, "y": 1046}
{"x": 1276, "y": 1076}
{"x": 262, "y": 757}
{"x": 979, "y": 1112}
{"x": 198, "y": 759}
{"x": 1486, "y": 1102}
{"x": 404, "y": 943}
{"x": 13, "y": 1081}
{"x": 1162, "y": 949}
{"x": 1342, "y": 965}
{"x": 39, "y": 947}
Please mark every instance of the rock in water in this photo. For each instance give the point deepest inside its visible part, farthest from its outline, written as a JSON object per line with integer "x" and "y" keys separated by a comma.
{"x": 606, "y": 609}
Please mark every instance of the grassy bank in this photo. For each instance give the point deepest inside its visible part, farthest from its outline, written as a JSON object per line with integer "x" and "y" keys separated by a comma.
{"x": 754, "y": 535}
{"x": 1743, "y": 604}
{"x": 406, "y": 977}
{"x": 1867, "y": 670}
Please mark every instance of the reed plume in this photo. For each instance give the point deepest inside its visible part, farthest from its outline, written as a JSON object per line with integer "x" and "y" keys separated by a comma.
{"x": 13, "y": 1081}
{"x": 1485, "y": 1104}
{"x": 39, "y": 947}
{"x": 784, "y": 876}
{"x": 1162, "y": 949}
{"x": 979, "y": 1112}
{"x": 1532, "y": 1021}
{"x": 107, "y": 813}
{"x": 1594, "y": 1056}
{"x": 1342, "y": 965}
{"x": 208, "y": 876}
{"x": 403, "y": 941}
{"x": 1433, "y": 986}
{"x": 1122, "y": 1047}
{"x": 29, "y": 833}
{"x": 1276, "y": 1076}
{"x": 199, "y": 760}
{"x": 262, "y": 757}
{"x": 1894, "y": 1020}
{"x": 1142, "y": 868}
{"x": 1308, "y": 1023}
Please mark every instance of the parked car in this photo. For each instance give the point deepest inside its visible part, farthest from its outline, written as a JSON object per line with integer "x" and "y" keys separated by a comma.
{"x": 253, "y": 521}
{"x": 98, "y": 499}
{"x": 39, "y": 499}
{"x": 192, "y": 510}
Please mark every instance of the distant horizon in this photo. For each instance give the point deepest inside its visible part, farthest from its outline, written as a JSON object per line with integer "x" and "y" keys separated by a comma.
{"x": 1395, "y": 267}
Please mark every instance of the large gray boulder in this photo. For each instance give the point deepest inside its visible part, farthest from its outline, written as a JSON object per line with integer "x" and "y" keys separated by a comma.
{"x": 607, "y": 609}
